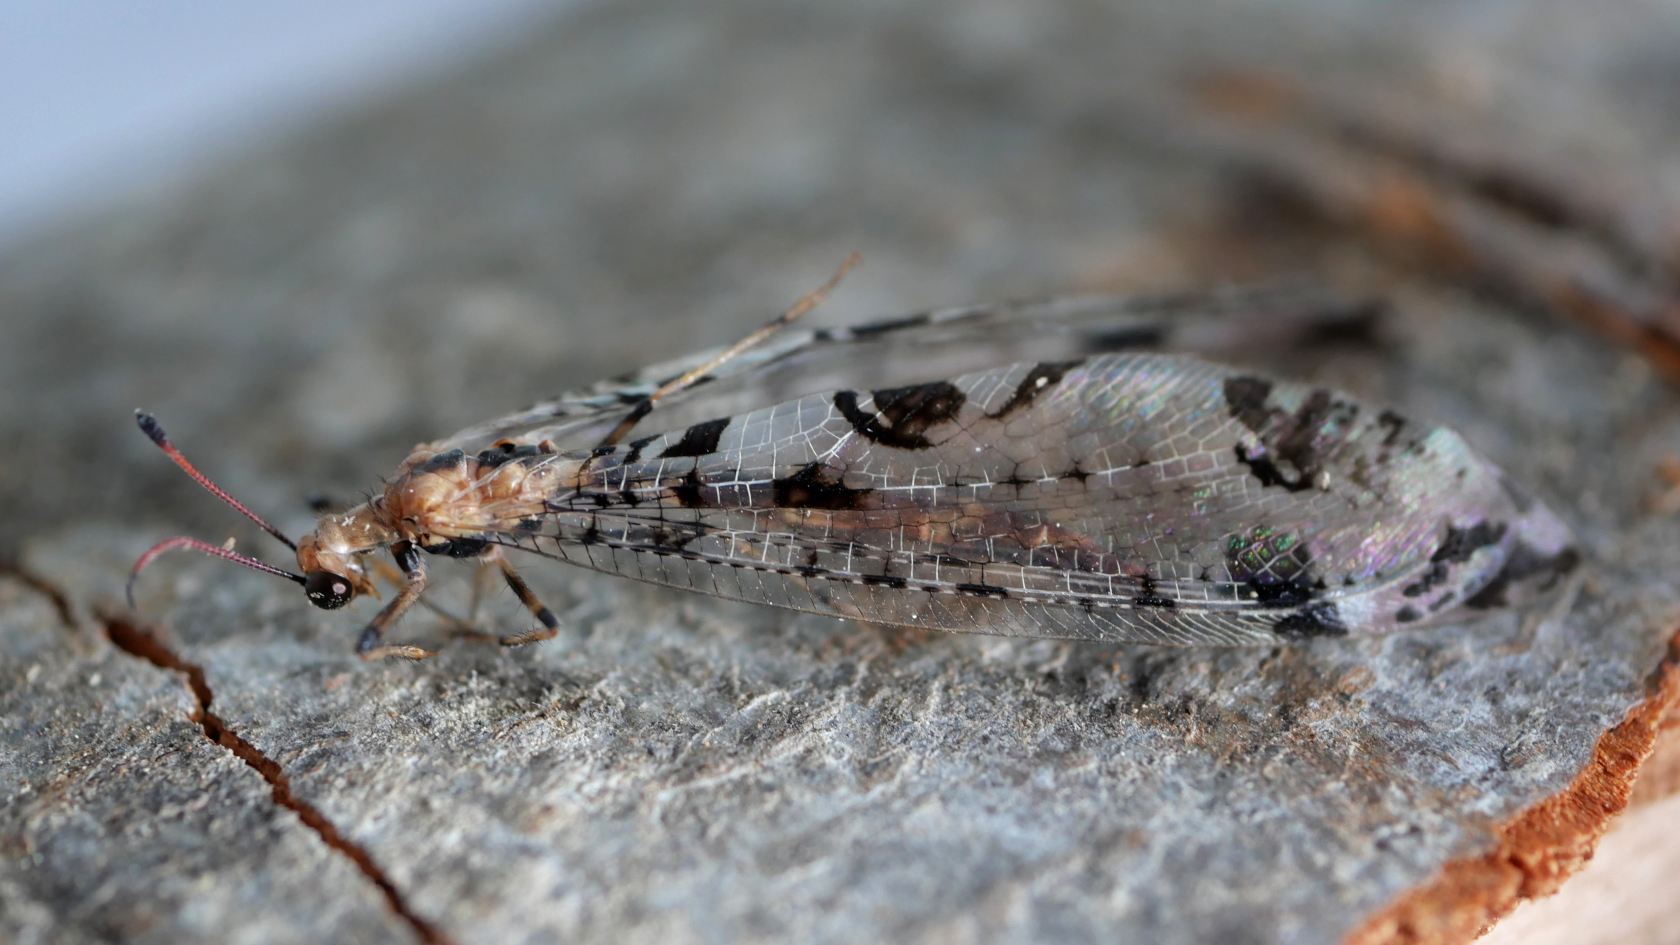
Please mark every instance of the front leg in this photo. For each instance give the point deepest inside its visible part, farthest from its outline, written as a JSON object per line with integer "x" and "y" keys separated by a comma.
{"x": 389, "y": 572}
{"x": 414, "y": 573}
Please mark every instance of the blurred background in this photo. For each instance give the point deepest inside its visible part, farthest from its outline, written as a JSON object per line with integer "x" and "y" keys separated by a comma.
{"x": 100, "y": 100}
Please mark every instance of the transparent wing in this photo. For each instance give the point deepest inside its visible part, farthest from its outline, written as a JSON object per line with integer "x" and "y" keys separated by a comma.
{"x": 1139, "y": 497}
{"x": 933, "y": 344}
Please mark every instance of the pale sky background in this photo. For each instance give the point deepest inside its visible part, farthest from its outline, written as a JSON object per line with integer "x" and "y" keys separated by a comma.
{"x": 98, "y": 98}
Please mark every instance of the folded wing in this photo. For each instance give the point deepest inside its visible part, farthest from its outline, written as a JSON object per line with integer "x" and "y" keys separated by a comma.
{"x": 1140, "y": 497}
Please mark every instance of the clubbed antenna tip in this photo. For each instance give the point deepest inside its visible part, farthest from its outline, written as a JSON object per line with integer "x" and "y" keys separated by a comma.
{"x": 154, "y": 430}
{"x": 150, "y": 427}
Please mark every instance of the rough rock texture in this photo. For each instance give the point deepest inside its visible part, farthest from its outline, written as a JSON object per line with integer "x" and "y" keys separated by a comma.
{"x": 648, "y": 177}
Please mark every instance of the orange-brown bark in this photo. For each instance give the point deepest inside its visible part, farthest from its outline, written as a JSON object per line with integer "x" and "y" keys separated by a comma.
{"x": 1540, "y": 847}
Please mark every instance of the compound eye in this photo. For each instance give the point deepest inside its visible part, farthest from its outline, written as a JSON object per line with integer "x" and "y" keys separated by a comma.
{"x": 327, "y": 590}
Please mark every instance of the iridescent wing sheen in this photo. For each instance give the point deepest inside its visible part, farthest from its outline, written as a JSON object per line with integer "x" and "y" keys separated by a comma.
{"x": 1118, "y": 497}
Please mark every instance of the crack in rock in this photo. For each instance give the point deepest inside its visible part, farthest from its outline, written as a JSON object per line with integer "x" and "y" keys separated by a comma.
{"x": 138, "y": 641}
{"x": 44, "y": 587}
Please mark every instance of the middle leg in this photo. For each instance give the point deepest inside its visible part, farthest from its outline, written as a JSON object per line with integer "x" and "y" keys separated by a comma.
{"x": 483, "y": 576}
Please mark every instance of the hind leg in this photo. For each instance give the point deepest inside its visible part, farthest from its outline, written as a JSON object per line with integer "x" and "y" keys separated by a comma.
{"x": 811, "y": 300}
{"x": 492, "y": 557}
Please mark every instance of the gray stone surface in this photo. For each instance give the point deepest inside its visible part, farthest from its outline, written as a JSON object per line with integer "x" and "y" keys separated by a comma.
{"x": 647, "y": 178}
{"x": 123, "y": 823}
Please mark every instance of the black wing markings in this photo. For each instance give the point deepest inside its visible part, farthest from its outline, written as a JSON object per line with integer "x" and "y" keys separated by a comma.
{"x": 903, "y": 415}
{"x": 1043, "y": 376}
{"x": 701, "y": 439}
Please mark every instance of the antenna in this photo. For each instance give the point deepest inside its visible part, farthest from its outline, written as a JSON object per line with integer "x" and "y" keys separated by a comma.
{"x": 150, "y": 427}
{"x": 194, "y": 544}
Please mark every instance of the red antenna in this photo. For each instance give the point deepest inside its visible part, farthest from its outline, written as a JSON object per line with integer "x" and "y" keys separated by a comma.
{"x": 209, "y": 549}
{"x": 150, "y": 426}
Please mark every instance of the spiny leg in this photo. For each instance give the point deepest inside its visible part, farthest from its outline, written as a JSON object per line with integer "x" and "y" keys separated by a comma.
{"x": 550, "y": 624}
{"x": 414, "y": 572}
{"x": 811, "y": 300}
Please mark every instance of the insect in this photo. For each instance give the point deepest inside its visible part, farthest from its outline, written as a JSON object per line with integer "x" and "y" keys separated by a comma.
{"x": 1057, "y": 483}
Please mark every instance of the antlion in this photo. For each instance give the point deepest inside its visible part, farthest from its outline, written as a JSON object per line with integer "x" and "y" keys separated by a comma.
{"x": 1094, "y": 493}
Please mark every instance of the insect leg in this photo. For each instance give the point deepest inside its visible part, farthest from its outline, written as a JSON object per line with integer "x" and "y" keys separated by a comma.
{"x": 468, "y": 628}
{"x": 390, "y": 573}
{"x": 481, "y": 578}
{"x": 811, "y": 300}
{"x": 550, "y": 623}
{"x": 414, "y": 572}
